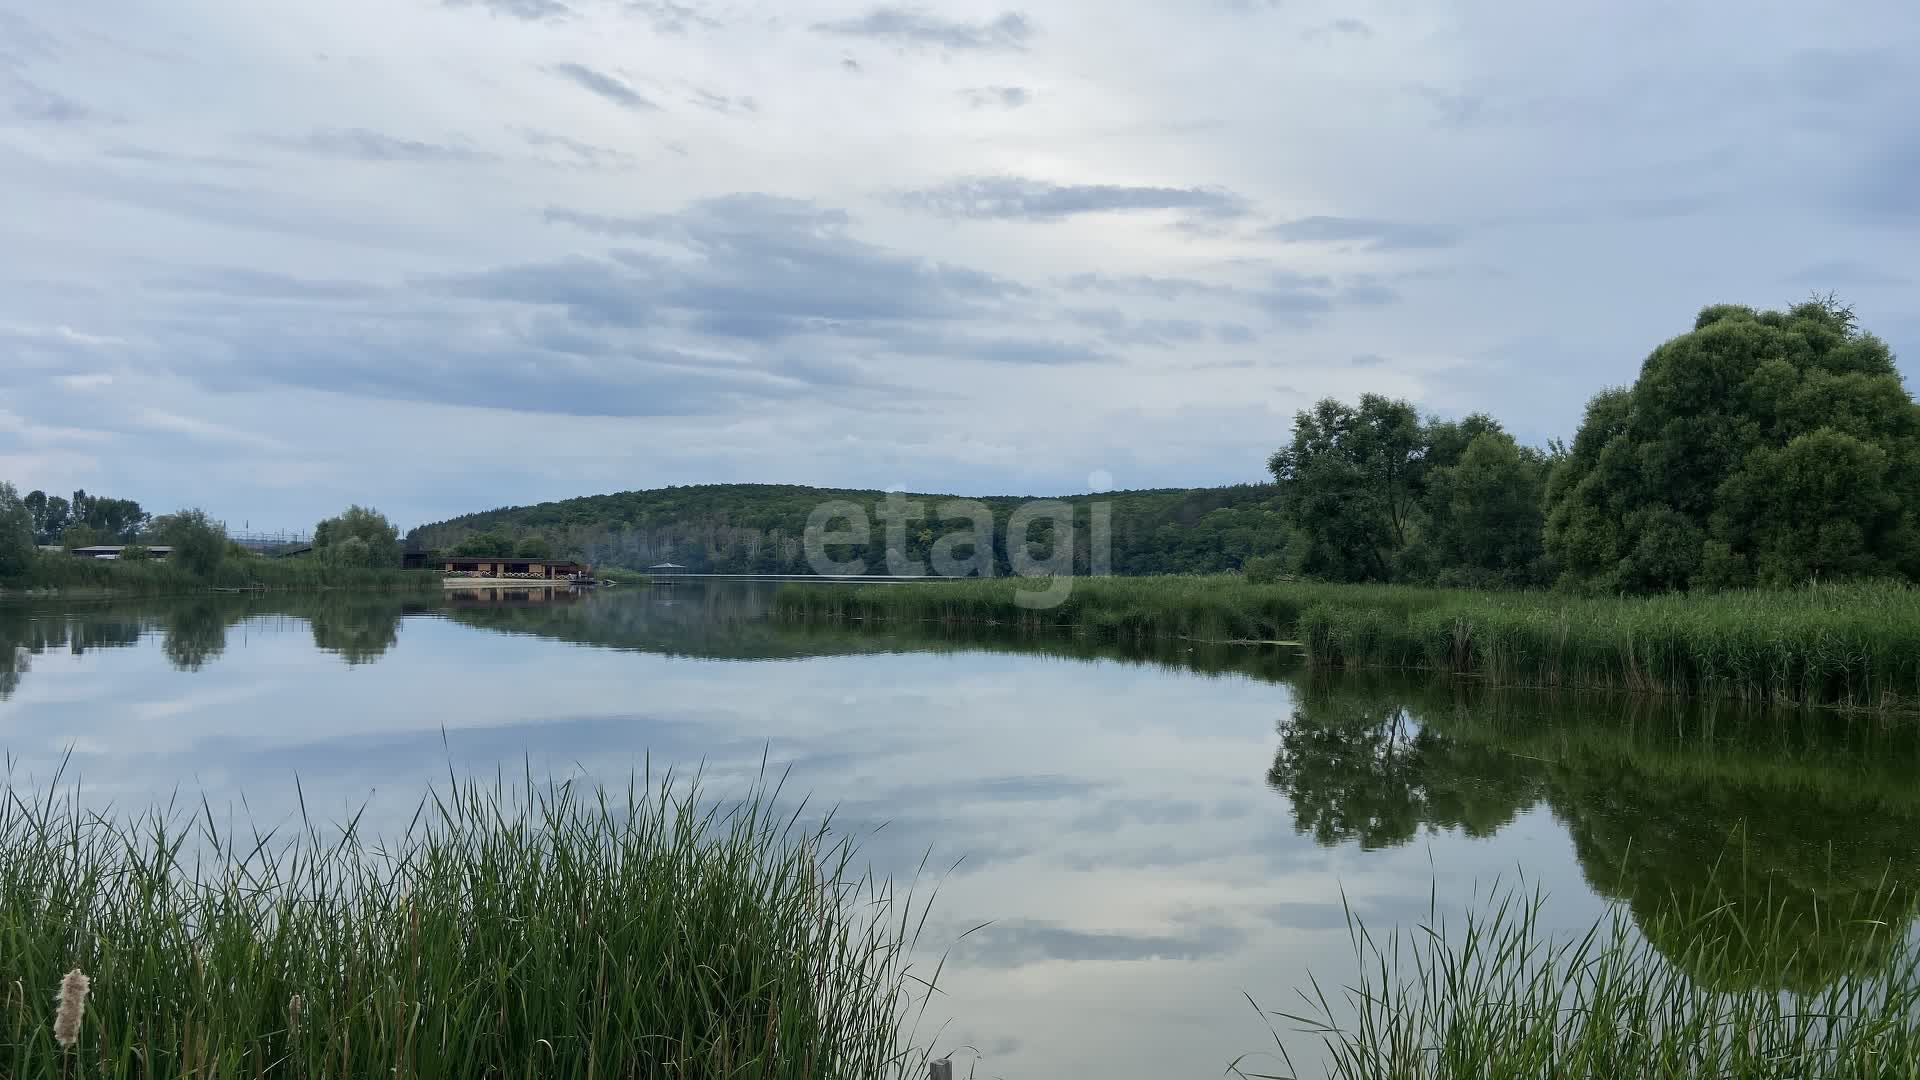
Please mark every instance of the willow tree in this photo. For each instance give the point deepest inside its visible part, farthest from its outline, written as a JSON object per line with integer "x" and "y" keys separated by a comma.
{"x": 1762, "y": 447}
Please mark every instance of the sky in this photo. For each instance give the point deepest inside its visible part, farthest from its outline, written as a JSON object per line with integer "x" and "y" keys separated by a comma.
{"x": 443, "y": 255}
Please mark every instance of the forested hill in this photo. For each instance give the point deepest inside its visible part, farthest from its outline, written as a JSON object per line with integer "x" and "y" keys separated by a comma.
{"x": 757, "y": 528}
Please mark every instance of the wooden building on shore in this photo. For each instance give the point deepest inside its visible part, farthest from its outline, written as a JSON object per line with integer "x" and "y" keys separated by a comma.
{"x": 503, "y": 566}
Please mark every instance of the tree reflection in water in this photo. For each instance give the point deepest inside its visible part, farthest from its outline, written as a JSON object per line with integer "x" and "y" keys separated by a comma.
{"x": 1707, "y": 822}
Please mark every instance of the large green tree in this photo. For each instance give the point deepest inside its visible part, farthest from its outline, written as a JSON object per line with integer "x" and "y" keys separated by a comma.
{"x": 1762, "y": 447}
{"x": 16, "y": 533}
{"x": 357, "y": 536}
{"x": 1379, "y": 494}
{"x": 1484, "y": 508}
{"x": 1350, "y": 482}
{"x": 199, "y": 543}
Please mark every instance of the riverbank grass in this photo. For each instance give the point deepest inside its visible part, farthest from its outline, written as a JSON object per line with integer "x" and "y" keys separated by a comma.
{"x": 1499, "y": 996}
{"x": 1854, "y": 646}
{"x": 518, "y": 930}
{"x": 53, "y": 572}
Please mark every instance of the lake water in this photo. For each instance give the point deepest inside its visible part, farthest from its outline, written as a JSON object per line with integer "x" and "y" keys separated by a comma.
{"x": 1150, "y": 836}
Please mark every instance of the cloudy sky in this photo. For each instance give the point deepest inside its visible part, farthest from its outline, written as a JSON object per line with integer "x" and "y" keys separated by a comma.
{"x": 441, "y": 255}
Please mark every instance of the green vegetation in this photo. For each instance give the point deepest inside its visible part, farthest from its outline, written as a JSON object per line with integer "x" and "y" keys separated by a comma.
{"x": 149, "y": 577}
{"x": 1378, "y": 494}
{"x": 16, "y": 534}
{"x": 357, "y": 537}
{"x": 1766, "y": 448}
{"x": 84, "y": 519}
{"x": 1846, "y": 646}
{"x": 1500, "y": 995}
{"x": 758, "y": 528}
{"x": 519, "y": 930}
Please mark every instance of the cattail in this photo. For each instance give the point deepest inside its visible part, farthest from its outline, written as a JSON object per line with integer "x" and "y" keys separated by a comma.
{"x": 293, "y": 1014}
{"x": 73, "y": 1006}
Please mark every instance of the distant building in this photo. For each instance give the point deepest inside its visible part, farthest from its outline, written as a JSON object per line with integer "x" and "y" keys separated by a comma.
{"x": 500, "y": 566}
{"x": 113, "y": 551}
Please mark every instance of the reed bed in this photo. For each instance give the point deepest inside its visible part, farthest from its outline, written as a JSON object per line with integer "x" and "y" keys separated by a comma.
{"x": 514, "y": 930}
{"x": 1502, "y": 998}
{"x": 156, "y": 577}
{"x": 1853, "y": 646}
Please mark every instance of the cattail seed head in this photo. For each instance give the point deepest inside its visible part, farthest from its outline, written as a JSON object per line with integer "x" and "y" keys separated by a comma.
{"x": 73, "y": 1006}
{"x": 293, "y": 1013}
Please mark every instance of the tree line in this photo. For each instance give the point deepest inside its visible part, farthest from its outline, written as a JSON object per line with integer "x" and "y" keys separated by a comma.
{"x": 1761, "y": 448}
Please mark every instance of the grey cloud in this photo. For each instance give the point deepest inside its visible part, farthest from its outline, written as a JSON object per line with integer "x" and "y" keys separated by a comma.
{"x": 1345, "y": 27}
{"x": 610, "y": 87}
{"x": 1164, "y": 288}
{"x": 364, "y": 145}
{"x": 1012, "y": 198}
{"x": 669, "y": 17}
{"x": 1117, "y": 328}
{"x": 1367, "y": 360}
{"x": 1368, "y": 234}
{"x": 1889, "y": 183}
{"x": 1844, "y": 77}
{"x": 593, "y": 291}
{"x": 1455, "y": 108}
{"x": 1844, "y": 272}
{"x": 576, "y": 153}
{"x": 1018, "y": 942}
{"x": 530, "y": 10}
{"x": 1005, "y": 97}
{"x": 914, "y": 26}
{"x": 1234, "y": 334}
{"x": 720, "y": 103}
{"x": 267, "y": 285}
{"x": 35, "y": 104}
{"x": 1369, "y": 294}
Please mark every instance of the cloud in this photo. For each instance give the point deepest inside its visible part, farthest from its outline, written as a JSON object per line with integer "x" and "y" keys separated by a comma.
{"x": 1344, "y": 27}
{"x": 1004, "y": 97}
{"x": 1843, "y": 273}
{"x": 529, "y": 10}
{"x": 668, "y": 17}
{"x": 364, "y": 145}
{"x": 1363, "y": 233}
{"x": 1889, "y": 182}
{"x": 916, "y": 27}
{"x": 1368, "y": 360}
{"x": 1012, "y": 198}
{"x": 35, "y": 104}
{"x": 578, "y": 153}
{"x": 611, "y": 87}
{"x": 721, "y": 103}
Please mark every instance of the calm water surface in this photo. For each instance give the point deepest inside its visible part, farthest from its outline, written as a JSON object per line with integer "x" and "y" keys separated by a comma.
{"x": 1147, "y": 834}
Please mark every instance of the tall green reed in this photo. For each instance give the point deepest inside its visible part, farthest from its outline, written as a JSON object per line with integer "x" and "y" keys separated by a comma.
{"x": 527, "y": 929}
{"x": 1697, "y": 992}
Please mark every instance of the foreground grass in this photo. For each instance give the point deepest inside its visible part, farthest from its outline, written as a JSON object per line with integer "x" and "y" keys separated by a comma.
{"x": 1500, "y": 997}
{"x": 60, "y": 572}
{"x": 1844, "y": 646}
{"x": 520, "y": 931}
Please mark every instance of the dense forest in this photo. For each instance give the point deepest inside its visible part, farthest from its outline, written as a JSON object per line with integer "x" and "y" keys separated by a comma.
{"x": 1766, "y": 448}
{"x": 758, "y": 528}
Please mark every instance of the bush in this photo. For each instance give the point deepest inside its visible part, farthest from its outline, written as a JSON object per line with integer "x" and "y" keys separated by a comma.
{"x": 1264, "y": 569}
{"x": 199, "y": 543}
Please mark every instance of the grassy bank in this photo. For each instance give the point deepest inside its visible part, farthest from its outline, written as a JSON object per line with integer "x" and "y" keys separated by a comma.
{"x": 1845, "y": 646}
{"x": 1499, "y": 996}
{"x": 519, "y": 931}
{"x": 64, "y": 573}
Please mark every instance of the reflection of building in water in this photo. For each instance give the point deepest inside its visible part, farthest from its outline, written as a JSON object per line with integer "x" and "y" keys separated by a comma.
{"x": 496, "y": 596}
